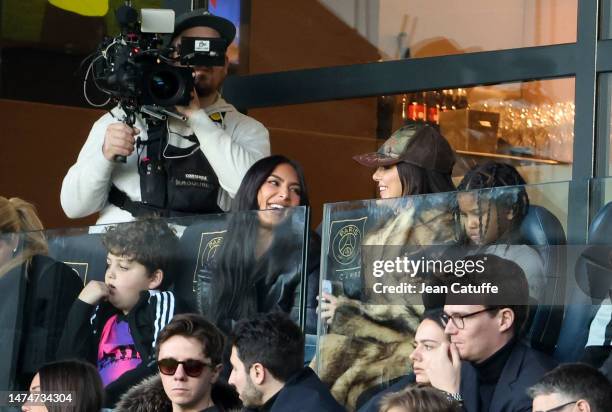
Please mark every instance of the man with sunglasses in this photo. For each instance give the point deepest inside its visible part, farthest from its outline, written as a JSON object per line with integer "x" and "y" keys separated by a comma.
{"x": 489, "y": 368}
{"x": 267, "y": 368}
{"x": 572, "y": 387}
{"x": 189, "y": 359}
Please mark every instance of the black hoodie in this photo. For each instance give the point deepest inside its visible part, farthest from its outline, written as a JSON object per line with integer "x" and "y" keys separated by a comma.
{"x": 81, "y": 336}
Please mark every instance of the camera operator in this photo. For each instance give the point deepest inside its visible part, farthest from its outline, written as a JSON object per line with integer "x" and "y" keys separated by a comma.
{"x": 203, "y": 162}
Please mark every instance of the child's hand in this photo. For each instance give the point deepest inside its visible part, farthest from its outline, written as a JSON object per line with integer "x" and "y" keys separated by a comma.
{"x": 94, "y": 292}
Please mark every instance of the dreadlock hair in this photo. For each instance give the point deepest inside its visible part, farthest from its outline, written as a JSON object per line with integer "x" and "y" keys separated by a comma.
{"x": 511, "y": 199}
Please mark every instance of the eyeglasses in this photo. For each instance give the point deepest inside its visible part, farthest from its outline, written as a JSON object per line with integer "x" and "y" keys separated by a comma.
{"x": 458, "y": 319}
{"x": 558, "y": 408}
{"x": 192, "y": 367}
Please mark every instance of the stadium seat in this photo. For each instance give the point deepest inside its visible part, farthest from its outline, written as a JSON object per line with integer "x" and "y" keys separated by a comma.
{"x": 83, "y": 252}
{"x": 593, "y": 273}
{"x": 542, "y": 230}
{"x": 198, "y": 245}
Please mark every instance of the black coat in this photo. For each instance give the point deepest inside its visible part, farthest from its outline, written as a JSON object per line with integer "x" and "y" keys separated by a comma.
{"x": 303, "y": 392}
{"x": 277, "y": 283}
{"x": 523, "y": 369}
{"x": 50, "y": 289}
{"x": 373, "y": 404}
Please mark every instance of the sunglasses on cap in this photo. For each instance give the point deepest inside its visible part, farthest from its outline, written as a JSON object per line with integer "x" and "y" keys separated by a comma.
{"x": 192, "y": 367}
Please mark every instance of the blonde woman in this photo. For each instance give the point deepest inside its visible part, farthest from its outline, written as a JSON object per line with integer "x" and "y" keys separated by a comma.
{"x": 21, "y": 236}
{"x": 38, "y": 290}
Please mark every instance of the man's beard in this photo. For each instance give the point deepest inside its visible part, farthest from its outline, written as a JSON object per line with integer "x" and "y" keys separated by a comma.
{"x": 204, "y": 90}
{"x": 251, "y": 396}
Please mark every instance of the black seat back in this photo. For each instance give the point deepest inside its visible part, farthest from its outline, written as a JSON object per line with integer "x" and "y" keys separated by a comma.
{"x": 543, "y": 231}
{"x": 593, "y": 276}
{"x": 83, "y": 252}
{"x": 198, "y": 246}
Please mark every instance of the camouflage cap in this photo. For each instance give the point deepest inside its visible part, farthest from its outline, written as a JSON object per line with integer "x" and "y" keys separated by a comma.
{"x": 420, "y": 145}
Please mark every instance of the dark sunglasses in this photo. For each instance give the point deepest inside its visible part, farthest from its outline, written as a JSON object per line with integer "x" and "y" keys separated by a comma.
{"x": 192, "y": 367}
{"x": 559, "y": 408}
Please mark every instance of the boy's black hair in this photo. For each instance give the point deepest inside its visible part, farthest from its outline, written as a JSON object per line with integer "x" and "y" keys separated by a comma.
{"x": 512, "y": 200}
{"x": 152, "y": 243}
{"x": 273, "y": 340}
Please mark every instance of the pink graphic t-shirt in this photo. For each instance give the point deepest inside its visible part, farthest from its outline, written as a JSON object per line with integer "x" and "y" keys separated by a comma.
{"x": 117, "y": 353}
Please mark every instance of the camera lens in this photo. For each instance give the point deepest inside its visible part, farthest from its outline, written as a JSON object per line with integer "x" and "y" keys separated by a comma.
{"x": 164, "y": 85}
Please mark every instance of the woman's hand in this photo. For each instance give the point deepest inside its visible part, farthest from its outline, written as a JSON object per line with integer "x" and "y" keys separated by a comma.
{"x": 327, "y": 307}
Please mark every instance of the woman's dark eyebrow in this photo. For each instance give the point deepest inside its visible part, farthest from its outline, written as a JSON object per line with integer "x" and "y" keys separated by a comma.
{"x": 282, "y": 180}
{"x": 427, "y": 340}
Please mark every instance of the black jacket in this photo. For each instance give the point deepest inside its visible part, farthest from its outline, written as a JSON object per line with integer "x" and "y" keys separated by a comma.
{"x": 85, "y": 322}
{"x": 277, "y": 283}
{"x": 373, "y": 404}
{"x": 50, "y": 289}
{"x": 524, "y": 368}
{"x": 303, "y": 392}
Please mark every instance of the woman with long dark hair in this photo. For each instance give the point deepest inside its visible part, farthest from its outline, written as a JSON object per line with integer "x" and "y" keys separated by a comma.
{"x": 414, "y": 160}
{"x": 429, "y": 344}
{"x": 258, "y": 269}
{"x": 77, "y": 387}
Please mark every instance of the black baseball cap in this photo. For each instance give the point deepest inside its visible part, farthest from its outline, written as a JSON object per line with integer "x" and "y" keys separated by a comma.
{"x": 203, "y": 18}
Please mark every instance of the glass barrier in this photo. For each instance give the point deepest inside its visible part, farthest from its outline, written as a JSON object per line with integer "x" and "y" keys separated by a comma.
{"x": 384, "y": 262}
{"x": 224, "y": 266}
{"x": 330, "y": 33}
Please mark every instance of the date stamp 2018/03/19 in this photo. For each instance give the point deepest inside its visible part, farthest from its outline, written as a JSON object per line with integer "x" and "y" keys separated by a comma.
{"x": 12, "y": 398}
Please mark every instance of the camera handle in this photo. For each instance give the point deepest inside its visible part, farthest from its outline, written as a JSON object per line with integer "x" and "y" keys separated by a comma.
{"x": 129, "y": 119}
{"x": 156, "y": 112}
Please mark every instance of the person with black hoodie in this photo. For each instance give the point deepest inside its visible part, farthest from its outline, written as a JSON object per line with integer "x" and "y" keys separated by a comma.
{"x": 115, "y": 324}
{"x": 267, "y": 368}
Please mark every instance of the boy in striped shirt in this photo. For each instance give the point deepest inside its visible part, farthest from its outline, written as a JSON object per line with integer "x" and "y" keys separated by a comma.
{"x": 114, "y": 324}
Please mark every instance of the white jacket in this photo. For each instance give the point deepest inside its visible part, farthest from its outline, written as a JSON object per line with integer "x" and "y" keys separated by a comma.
{"x": 230, "y": 149}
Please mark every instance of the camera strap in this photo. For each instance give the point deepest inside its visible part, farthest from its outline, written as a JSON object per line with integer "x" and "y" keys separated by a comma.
{"x": 139, "y": 209}
{"x": 174, "y": 181}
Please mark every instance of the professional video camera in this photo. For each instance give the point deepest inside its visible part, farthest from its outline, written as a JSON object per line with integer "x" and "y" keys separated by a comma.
{"x": 143, "y": 74}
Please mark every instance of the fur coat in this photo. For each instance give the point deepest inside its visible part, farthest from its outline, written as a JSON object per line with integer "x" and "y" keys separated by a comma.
{"x": 370, "y": 344}
{"x": 149, "y": 396}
